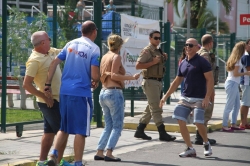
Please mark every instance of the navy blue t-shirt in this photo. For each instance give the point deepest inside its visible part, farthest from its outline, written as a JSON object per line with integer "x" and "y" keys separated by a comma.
{"x": 193, "y": 72}
{"x": 245, "y": 60}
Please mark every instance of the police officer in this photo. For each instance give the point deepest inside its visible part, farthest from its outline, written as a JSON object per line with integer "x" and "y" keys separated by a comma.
{"x": 207, "y": 45}
{"x": 151, "y": 61}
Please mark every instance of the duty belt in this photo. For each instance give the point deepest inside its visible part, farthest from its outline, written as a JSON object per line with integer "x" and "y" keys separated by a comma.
{"x": 153, "y": 78}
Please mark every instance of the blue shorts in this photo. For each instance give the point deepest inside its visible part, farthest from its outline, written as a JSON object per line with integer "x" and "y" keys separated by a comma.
{"x": 51, "y": 117}
{"x": 76, "y": 114}
{"x": 245, "y": 99}
{"x": 184, "y": 108}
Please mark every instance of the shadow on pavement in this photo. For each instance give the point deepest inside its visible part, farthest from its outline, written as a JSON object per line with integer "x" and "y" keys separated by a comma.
{"x": 223, "y": 160}
{"x": 147, "y": 163}
{"x": 234, "y": 146}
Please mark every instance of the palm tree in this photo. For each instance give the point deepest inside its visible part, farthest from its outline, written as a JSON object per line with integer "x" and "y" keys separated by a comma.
{"x": 197, "y": 9}
{"x": 209, "y": 21}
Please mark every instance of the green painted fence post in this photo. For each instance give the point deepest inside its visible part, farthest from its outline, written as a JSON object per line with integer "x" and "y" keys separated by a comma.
{"x": 167, "y": 39}
{"x": 132, "y": 101}
{"x": 232, "y": 40}
{"x": 132, "y": 7}
{"x": 161, "y": 20}
{"x": 4, "y": 65}
{"x": 202, "y": 32}
{"x": 98, "y": 41}
{"x": 55, "y": 23}
{"x": 113, "y": 22}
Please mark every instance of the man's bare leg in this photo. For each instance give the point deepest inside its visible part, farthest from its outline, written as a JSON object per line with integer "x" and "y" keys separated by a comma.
{"x": 243, "y": 114}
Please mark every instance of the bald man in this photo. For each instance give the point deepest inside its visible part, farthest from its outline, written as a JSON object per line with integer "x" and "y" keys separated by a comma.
{"x": 207, "y": 45}
{"x": 80, "y": 73}
{"x": 37, "y": 67}
{"x": 198, "y": 78}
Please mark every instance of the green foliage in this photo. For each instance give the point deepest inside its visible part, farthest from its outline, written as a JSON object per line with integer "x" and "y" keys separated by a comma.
{"x": 19, "y": 32}
{"x": 140, "y": 9}
{"x": 197, "y": 9}
{"x": 67, "y": 24}
{"x": 209, "y": 21}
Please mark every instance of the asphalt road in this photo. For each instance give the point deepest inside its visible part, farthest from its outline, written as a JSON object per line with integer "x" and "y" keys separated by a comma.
{"x": 232, "y": 149}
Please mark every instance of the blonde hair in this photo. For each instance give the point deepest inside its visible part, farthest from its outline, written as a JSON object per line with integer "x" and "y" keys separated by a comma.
{"x": 235, "y": 56}
{"x": 114, "y": 42}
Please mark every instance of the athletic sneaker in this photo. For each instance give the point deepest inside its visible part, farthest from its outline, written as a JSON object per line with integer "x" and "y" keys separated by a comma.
{"x": 65, "y": 163}
{"x": 207, "y": 149}
{"x": 188, "y": 153}
{"x": 39, "y": 163}
{"x": 52, "y": 160}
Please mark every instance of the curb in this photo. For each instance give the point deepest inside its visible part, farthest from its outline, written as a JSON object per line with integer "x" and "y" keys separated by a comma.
{"x": 216, "y": 125}
{"x": 22, "y": 163}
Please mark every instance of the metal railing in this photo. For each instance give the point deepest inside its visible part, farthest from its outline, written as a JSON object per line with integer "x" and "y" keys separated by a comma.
{"x": 18, "y": 3}
{"x": 9, "y": 7}
{"x": 32, "y": 10}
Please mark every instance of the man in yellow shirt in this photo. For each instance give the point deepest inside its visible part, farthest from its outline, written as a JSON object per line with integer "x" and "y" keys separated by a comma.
{"x": 37, "y": 68}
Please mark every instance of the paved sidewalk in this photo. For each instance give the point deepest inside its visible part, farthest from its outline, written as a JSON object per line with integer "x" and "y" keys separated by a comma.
{"x": 25, "y": 150}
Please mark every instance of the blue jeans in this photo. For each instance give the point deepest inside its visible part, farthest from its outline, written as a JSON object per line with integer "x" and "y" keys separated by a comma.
{"x": 232, "y": 102}
{"x": 112, "y": 103}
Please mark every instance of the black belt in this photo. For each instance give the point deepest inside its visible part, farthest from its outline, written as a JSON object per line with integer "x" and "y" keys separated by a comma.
{"x": 113, "y": 88}
{"x": 153, "y": 78}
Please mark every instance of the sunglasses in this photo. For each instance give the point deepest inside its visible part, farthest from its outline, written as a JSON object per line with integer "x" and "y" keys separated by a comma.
{"x": 189, "y": 45}
{"x": 157, "y": 38}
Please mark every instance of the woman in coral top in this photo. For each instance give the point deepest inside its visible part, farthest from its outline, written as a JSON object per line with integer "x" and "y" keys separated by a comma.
{"x": 111, "y": 98}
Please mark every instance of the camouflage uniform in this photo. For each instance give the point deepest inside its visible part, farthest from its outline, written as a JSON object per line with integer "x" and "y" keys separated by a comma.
{"x": 209, "y": 110}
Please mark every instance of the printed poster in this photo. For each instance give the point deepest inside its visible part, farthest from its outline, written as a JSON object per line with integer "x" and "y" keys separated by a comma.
{"x": 135, "y": 31}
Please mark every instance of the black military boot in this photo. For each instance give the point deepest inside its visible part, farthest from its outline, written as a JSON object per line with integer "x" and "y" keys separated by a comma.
{"x": 163, "y": 135}
{"x": 139, "y": 133}
{"x": 199, "y": 140}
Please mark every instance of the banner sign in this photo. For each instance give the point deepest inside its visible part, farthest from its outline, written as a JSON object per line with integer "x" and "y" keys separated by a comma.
{"x": 244, "y": 19}
{"x": 135, "y": 31}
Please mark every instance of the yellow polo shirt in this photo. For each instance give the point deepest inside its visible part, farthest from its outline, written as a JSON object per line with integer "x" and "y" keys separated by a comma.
{"x": 37, "y": 66}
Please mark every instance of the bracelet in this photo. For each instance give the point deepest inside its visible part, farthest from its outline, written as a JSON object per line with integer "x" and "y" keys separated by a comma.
{"x": 47, "y": 84}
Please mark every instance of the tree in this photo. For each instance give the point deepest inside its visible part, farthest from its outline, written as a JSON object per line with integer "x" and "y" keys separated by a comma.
{"x": 197, "y": 9}
{"x": 19, "y": 32}
{"x": 67, "y": 22}
{"x": 209, "y": 21}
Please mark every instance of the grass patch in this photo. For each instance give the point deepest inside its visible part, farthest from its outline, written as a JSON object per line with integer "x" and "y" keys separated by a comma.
{"x": 17, "y": 115}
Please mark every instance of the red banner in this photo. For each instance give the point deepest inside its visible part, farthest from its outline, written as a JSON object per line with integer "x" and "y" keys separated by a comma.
{"x": 244, "y": 19}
